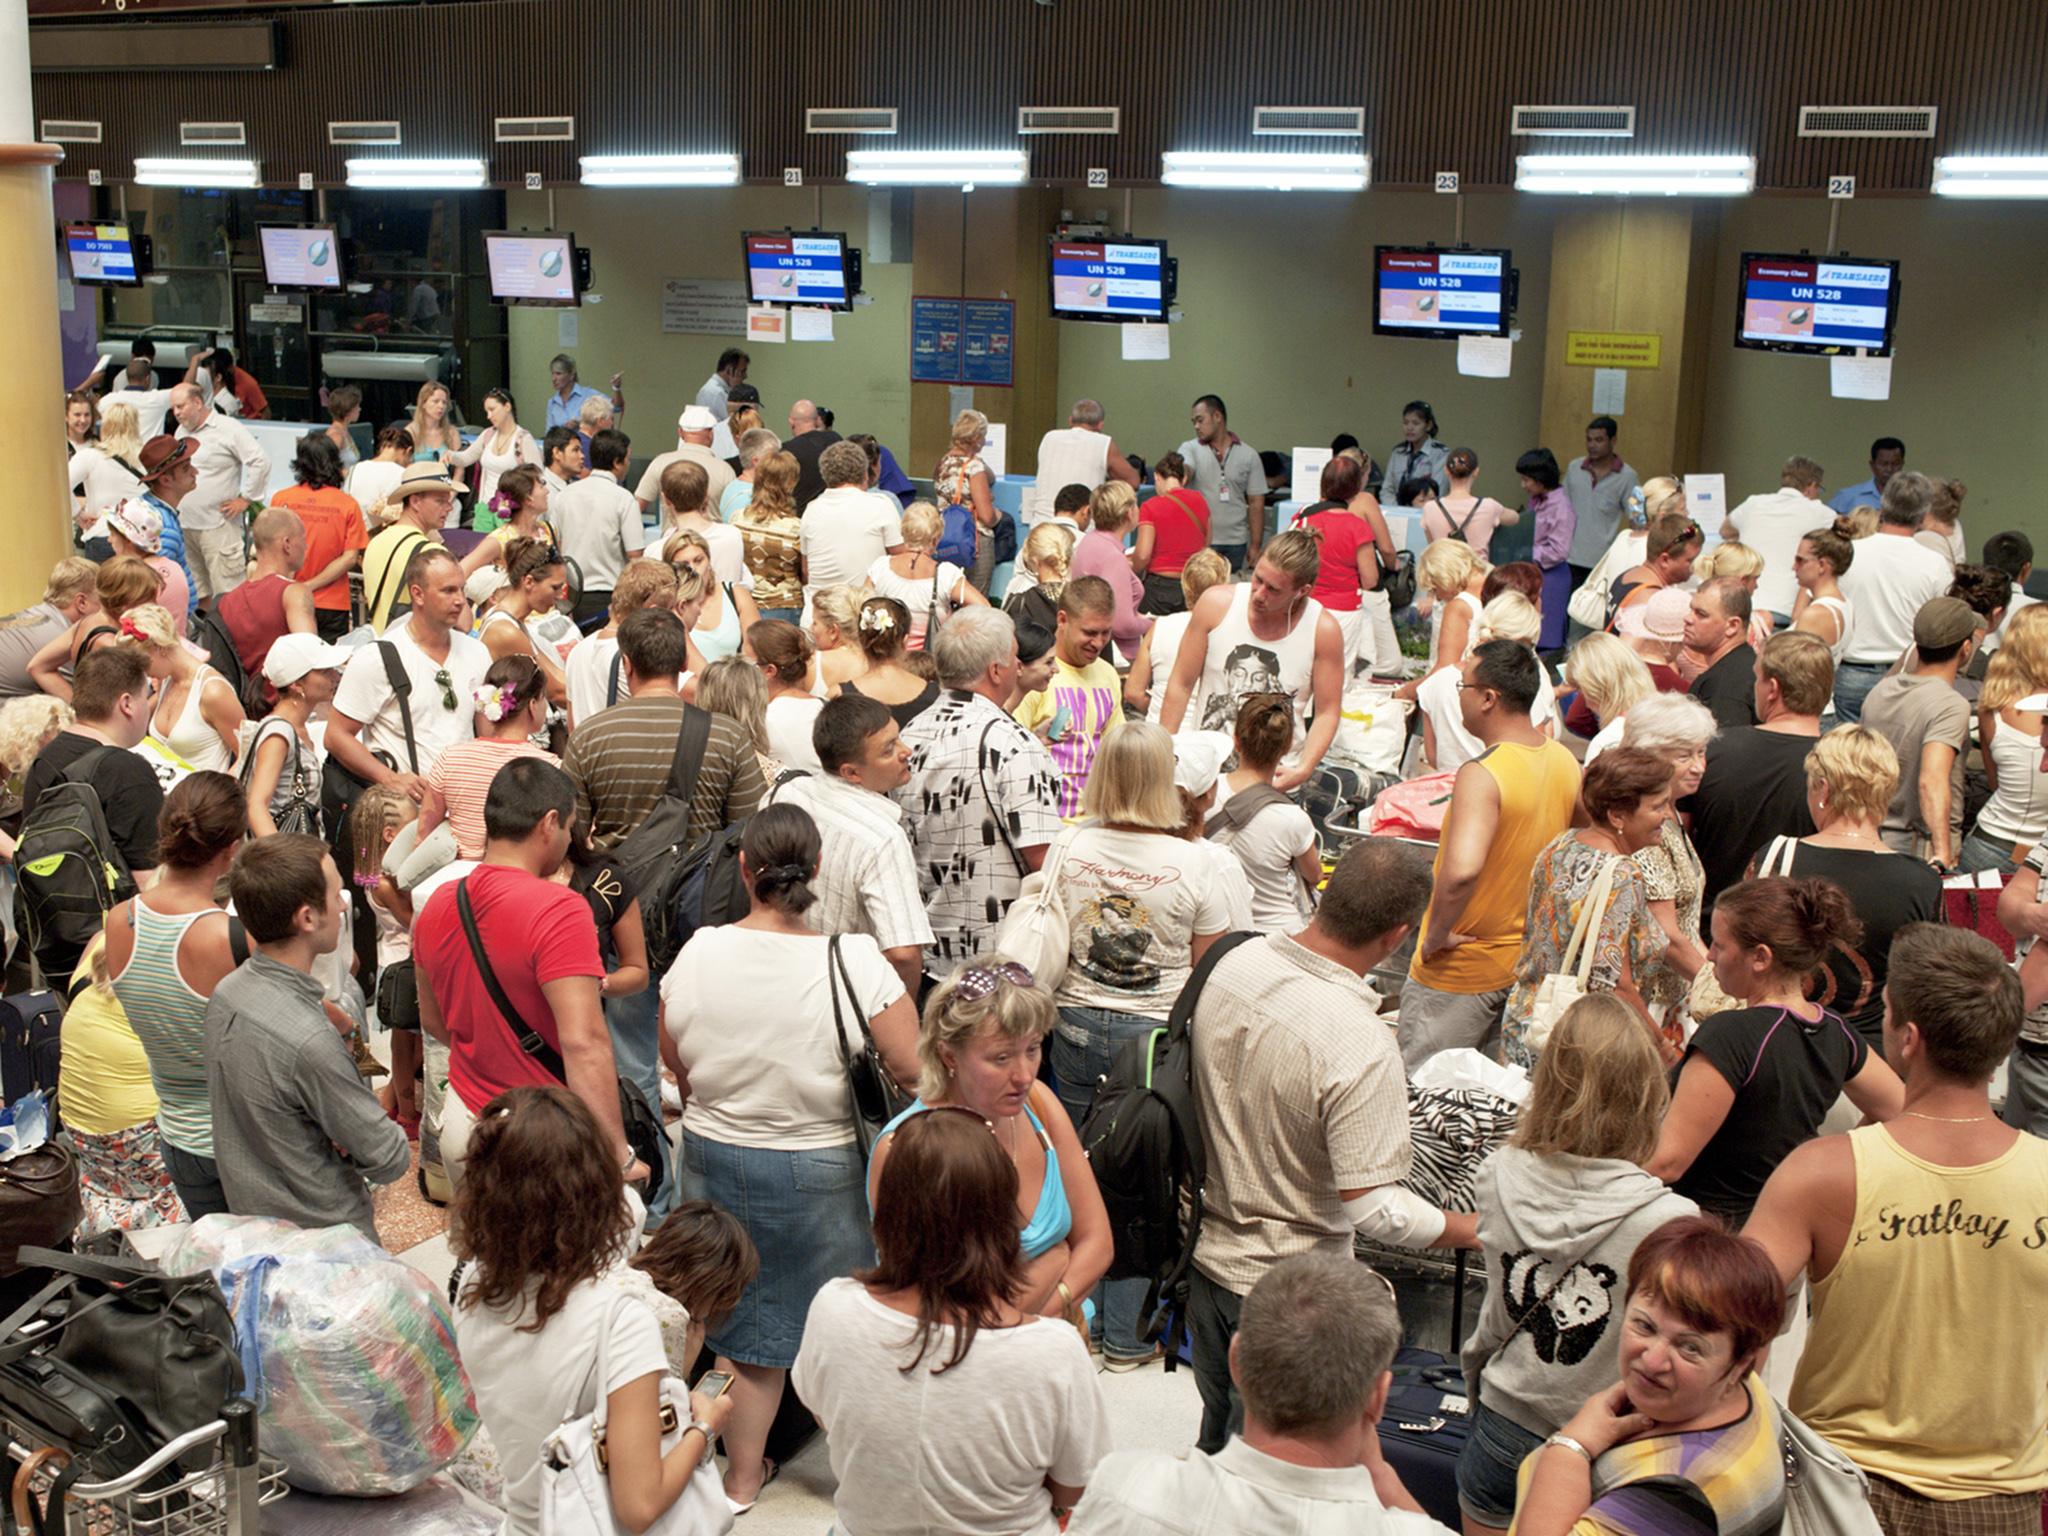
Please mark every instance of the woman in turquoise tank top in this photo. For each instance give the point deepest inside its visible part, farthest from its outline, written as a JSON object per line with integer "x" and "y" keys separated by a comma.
{"x": 980, "y": 1043}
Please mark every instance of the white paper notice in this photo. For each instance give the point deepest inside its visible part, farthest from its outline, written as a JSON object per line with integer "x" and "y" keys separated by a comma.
{"x": 810, "y": 325}
{"x": 567, "y": 329}
{"x": 995, "y": 452}
{"x": 705, "y": 306}
{"x": 767, "y": 325}
{"x": 1308, "y": 473}
{"x": 959, "y": 397}
{"x": 1485, "y": 357}
{"x": 1610, "y": 391}
{"x": 1860, "y": 378}
{"x": 1146, "y": 344}
{"x": 1706, "y": 500}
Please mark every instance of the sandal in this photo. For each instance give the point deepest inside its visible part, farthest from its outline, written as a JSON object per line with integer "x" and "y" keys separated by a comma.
{"x": 767, "y": 1477}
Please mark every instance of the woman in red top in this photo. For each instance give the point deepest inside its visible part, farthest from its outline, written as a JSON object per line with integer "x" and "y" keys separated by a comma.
{"x": 335, "y": 535}
{"x": 1353, "y": 535}
{"x": 1172, "y": 526}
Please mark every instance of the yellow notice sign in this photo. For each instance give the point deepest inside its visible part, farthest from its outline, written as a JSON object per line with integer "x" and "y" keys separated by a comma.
{"x": 1614, "y": 349}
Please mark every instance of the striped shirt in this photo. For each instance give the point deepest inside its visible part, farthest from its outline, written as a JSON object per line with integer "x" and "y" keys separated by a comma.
{"x": 169, "y": 1018}
{"x": 621, "y": 758}
{"x": 1301, "y": 1093}
{"x": 462, "y": 778}
{"x": 867, "y": 881}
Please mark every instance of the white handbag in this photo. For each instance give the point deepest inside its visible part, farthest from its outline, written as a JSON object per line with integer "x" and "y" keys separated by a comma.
{"x": 1034, "y": 932}
{"x": 1777, "y": 859}
{"x": 1826, "y": 1494}
{"x": 1565, "y": 986}
{"x": 575, "y": 1494}
{"x": 1588, "y": 605}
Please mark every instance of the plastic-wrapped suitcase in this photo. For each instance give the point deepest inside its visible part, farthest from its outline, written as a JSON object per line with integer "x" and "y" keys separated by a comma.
{"x": 1424, "y": 1428}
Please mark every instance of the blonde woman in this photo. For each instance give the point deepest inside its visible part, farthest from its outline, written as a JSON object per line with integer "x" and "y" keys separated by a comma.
{"x": 1741, "y": 563}
{"x": 961, "y": 478}
{"x": 1446, "y": 744}
{"x": 734, "y": 687}
{"x": 1112, "y": 513}
{"x": 1563, "y": 1205}
{"x": 835, "y": 631}
{"x": 1611, "y": 679}
{"x": 1043, "y": 565}
{"x": 122, "y": 583}
{"x": 1145, "y": 684}
{"x": 1677, "y": 729}
{"x": 929, "y": 588}
{"x": 771, "y": 533}
{"x": 434, "y": 435}
{"x": 756, "y": 444}
{"x": 1452, "y": 575}
{"x": 2015, "y": 818}
{"x": 1860, "y": 523}
{"x": 726, "y": 612}
{"x": 1943, "y": 531}
{"x": 197, "y": 713}
{"x": 1822, "y": 610}
{"x": 105, "y": 474}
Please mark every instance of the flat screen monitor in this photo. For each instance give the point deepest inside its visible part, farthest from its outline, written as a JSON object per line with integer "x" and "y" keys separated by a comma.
{"x": 1425, "y": 292}
{"x": 1113, "y": 280}
{"x": 536, "y": 268}
{"x": 300, "y": 256}
{"x": 101, "y": 253}
{"x": 1817, "y": 304}
{"x": 806, "y": 269}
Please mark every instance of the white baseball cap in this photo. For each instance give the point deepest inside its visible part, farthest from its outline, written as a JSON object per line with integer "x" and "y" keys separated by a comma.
{"x": 293, "y": 656}
{"x": 1198, "y": 756}
{"x": 696, "y": 418}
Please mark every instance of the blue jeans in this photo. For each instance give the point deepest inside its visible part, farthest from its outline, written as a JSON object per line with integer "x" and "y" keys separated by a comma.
{"x": 1082, "y": 1050}
{"x": 635, "y": 1026}
{"x": 1234, "y": 553}
{"x": 787, "y": 615}
{"x": 1980, "y": 853}
{"x": 1853, "y": 682}
{"x": 197, "y": 1180}
{"x": 1489, "y": 1463}
{"x": 1213, "y": 1312}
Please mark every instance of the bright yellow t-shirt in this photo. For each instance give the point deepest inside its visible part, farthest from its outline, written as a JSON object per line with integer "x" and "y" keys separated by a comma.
{"x": 1093, "y": 699}
{"x": 103, "y": 1078}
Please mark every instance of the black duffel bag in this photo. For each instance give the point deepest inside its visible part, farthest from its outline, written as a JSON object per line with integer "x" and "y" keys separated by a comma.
{"x": 112, "y": 1360}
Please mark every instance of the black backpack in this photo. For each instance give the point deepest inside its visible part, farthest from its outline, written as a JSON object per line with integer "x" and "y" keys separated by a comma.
{"x": 69, "y": 867}
{"x": 1143, "y": 1139}
{"x": 211, "y": 635}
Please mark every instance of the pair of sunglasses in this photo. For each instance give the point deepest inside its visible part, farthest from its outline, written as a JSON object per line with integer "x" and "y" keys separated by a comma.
{"x": 977, "y": 982}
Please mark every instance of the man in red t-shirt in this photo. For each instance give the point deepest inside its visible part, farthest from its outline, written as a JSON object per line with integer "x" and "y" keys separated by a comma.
{"x": 541, "y": 942}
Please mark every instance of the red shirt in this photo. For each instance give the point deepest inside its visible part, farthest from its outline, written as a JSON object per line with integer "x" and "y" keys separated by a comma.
{"x": 535, "y": 932}
{"x": 254, "y": 615}
{"x": 334, "y": 524}
{"x": 1181, "y": 519}
{"x": 243, "y": 387}
{"x": 1344, "y": 534}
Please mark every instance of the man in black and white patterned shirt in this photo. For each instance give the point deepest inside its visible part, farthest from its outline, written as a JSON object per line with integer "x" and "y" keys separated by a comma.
{"x": 982, "y": 802}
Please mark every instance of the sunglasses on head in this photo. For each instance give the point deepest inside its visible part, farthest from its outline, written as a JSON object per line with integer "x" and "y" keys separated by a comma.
{"x": 978, "y": 981}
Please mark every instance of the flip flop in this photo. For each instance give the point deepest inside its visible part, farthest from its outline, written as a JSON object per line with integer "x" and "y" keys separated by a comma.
{"x": 768, "y": 1477}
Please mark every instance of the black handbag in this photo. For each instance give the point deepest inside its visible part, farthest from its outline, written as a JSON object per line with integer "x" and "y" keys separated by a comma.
{"x": 40, "y": 1202}
{"x": 644, "y": 1133}
{"x": 112, "y": 1360}
{"x": 876, "y": 1096}
{"x": 398, "y": 997}
{"x": 1398, "y": 579}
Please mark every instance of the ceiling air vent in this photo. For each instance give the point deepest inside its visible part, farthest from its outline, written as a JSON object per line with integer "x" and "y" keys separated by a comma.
{"x": 1068, "y": 119}
{"x": 1575, "y": 122}
{"x": 60, "y": 130}
{"x": 1320, "y": 122}
{"x": 1866, "y": 122}
{"x": 849, "y": 120}
{"x": 364, "y": 133}
{"x": 212, "y": 133}
{"x": 535, "y": 130}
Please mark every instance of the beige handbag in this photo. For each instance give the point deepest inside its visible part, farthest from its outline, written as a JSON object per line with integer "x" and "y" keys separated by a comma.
{"x": 1565, "y": 986}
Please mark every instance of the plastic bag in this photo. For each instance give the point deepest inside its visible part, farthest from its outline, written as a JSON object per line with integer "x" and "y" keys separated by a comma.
{"x": 349, "y": 1353}
{"x": 1463, "y": 1067}
{"x": 1372, "y": 727}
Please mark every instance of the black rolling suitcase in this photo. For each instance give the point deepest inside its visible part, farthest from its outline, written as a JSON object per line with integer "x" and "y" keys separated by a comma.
{"x": 1424, "y": 1428}
{"x": 30, "y": 1051}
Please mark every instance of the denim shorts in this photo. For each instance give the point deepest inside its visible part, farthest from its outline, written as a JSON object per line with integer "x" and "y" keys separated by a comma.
{"x": 807, "y": 1213}
{"x": 1489, "y": 1464}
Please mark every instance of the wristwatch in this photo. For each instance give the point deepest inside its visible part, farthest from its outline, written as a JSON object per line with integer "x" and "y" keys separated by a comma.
{"x": 1565, "y": 1440}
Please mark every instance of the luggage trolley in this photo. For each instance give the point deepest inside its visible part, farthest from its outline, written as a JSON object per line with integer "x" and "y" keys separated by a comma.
{"x": 223, "y": 1498}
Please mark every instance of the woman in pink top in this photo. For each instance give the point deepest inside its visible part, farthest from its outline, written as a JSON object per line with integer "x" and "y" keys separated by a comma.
{"x": 1458, "y": 513}
{"x": 511, "y": 705}
{"x": 1100, "y": 552}
{"x": 1352, "y": 535}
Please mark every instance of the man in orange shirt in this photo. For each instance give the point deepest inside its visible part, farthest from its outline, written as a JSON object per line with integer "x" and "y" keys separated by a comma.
{"x": 335, "y": 535}
{"x": 253, "y": 404}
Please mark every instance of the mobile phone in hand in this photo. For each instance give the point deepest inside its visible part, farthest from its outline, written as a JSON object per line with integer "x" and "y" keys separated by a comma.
{"x": 713, "y": 1384}
{"x": 1062, "y": 722}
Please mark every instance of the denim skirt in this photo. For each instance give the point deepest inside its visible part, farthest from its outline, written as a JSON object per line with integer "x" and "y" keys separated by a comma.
{"x": 807, "y": 1213}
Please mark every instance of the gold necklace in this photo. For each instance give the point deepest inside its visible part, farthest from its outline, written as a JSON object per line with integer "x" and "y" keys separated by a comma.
{"x": 1914, "y": 1114}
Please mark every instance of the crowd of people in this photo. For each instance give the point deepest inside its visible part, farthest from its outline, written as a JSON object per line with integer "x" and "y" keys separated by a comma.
{"x": 399, "y": 752}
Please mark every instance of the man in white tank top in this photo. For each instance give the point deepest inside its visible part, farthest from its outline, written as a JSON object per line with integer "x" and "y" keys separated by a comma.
{"x": 1080, "y": 453}
{"x": 1263, "y": 635}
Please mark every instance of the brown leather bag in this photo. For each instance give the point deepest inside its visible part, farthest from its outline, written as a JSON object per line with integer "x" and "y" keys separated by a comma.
{"x": 40, "y": 1203}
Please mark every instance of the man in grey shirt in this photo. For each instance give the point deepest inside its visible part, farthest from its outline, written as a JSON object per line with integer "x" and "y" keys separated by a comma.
{"x": 295, "y": 1131}
{"x": 1598, "y": 485}
{"x": 1226, "y": 470}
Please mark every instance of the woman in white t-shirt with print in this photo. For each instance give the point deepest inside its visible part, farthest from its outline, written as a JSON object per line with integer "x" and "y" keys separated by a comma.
{"x": 931, "y": 589}
{"x": 1272, "y": 838}
{"x": 1142, "y": 908}
{"x": 543, "y": 1220}
{"x": 748, "y": 1021}
{"x": 945, "y": 1406}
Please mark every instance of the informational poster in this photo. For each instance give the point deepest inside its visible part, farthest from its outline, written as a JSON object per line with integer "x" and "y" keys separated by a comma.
{"x": 1307, "y": 484}
{"x": 1610, "y": 391}
{"x": 568, "y": 333}
{"x": 703, "y": 306}
{"x": 988, "y": 335}
{"x": 1485, "y": 357}
{"x": 1147, "y": 344}
{"x": 1706, "y": 499}
{"x": 995, "y": 450}
{"x": 1860, "y": 378}
{"x": 767, "y": 325}
{"x": 935, "y": 326}
{"x": 1614, "y": 349}
{"x": 810, "y": 325}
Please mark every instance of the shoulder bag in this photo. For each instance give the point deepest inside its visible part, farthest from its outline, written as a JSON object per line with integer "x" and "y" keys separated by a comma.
{"x": 644, "y": 1134}
{"x": 876, "y": 1095}
{"x": 1002, "y": 819}
{"x": 1397, "y": 580}
{"x": 1777, "y": 859}
{"x": 1565, "y": 986}
{"x": 339, "y": 788}
{"x": 302, "y": 811}
{"x": 1457, "y": 525}
{"x": 1035, "y": 931}
{"x": 395, "y": 567}
{"x": 1588, "y": 605}
{"x": 575, "y": 1492}
{"x": 1826, "y": 1494}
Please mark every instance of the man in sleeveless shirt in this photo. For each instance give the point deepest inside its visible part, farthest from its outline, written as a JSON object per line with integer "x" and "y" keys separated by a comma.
{"x": 270, "y": 601}
{"x": 1927, "y": 1237}
{"x": 1080, "y": 453}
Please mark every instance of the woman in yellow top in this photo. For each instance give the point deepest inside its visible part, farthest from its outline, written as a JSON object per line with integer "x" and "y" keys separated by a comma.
{"x": 109, "y": 1107}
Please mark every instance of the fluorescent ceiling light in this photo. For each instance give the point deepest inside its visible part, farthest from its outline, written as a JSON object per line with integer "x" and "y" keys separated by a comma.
{"x": 196, "y": 173}
{"x": 1642, "y": 175}
{"x": 660, "y": 170}
{"x": 1991, "y": 175}
{"x": 418, "y": 175}
{"x": 1268, "y": 170}
{"x": 937, "y": 167}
